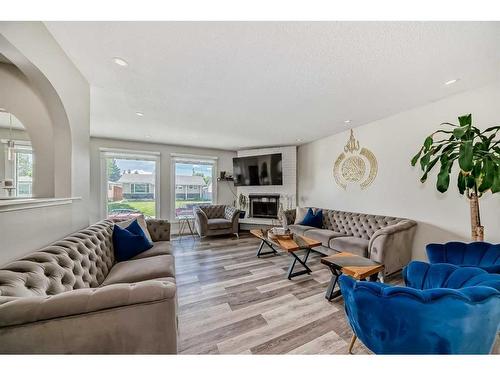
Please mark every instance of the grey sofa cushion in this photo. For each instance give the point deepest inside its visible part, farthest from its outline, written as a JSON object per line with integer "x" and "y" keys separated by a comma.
{"x": 214, "y": 211}
{"x": 323, "y": 235}
{"x": 159, "y": 248}
{"x": 132, "y": 271}
{"x": 299, "y": 229}
{"x": 354, "y": 245}
{"x": 214, "y": 224}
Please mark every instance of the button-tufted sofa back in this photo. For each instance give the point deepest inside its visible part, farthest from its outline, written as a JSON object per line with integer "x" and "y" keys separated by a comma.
{"x": 81, "y": 260}
{"x": 214, "y": 211}
{"x": 355, "y": 224}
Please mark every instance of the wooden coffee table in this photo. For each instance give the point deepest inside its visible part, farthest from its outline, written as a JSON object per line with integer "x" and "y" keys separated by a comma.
{"x": 350, "y": 264}
{"x": 264, "y": 240}
{"x": 291, "y": 246}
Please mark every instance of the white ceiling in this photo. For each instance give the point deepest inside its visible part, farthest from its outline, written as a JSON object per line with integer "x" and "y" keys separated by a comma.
{"x": 234, "y": 85}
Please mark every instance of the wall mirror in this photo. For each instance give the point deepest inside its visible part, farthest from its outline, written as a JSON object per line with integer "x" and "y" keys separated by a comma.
{"x": 16, "y": 158}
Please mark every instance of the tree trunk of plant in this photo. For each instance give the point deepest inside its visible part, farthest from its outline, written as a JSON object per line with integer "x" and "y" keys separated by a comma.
{"x": 477, "y": 230}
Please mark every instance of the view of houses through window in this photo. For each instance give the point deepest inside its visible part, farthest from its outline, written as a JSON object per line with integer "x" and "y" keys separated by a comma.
{"x": 193, "y": 185}
{"x": 130, "y": 186}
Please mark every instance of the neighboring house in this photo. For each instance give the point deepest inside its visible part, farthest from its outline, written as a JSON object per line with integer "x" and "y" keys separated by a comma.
{"x": 191, "y": 188}
{"x": 115, "y": 191}
{"x": 137, "y": 185}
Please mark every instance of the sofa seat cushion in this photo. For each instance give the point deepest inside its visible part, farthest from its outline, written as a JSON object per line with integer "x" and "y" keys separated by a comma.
{"x": 299, "y": 229}
{"x": 219, "y": 223}
{"x": 354, "y": 245}
{"x": 132, "y": 271}
{"x": 159, "y": 248}
{"x": 323, "y": 235}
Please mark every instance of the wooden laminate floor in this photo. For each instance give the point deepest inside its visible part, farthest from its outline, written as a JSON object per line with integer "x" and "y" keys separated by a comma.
{"x": 231, "y": 302}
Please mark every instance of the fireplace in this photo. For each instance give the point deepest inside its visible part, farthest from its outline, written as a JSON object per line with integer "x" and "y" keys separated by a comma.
{"x": 264, "y": 205}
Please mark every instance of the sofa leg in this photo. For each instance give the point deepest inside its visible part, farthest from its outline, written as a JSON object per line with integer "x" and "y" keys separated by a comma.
{"x": 381, "y": 277}
{"x": 237, "y": 235}
{"x": 351, "y": 344}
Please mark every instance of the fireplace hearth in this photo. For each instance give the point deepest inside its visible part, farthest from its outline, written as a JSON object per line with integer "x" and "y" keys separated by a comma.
{"x": 264, "y": 205}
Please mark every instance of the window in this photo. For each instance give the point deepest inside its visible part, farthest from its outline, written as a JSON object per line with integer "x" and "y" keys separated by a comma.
{"x": 24, "y": 171}
{"x": 130, "y": 183}
{"x": 194, "y": 182}
{"x": 140, "y": 188}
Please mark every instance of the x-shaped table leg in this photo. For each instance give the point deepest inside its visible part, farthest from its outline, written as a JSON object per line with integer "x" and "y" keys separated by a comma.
{"x": 303, "y": 261}
{"x": 259, "y": 252}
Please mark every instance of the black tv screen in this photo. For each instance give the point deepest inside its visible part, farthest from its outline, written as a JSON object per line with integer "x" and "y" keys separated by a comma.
{"x": 258, "y": 170}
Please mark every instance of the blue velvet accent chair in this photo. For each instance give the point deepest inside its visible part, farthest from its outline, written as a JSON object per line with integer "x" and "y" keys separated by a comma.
{"x": 476, "y": 254}
{"x": 444, "y": 309}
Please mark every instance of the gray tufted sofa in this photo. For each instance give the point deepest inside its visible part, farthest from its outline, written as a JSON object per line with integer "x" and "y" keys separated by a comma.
{"x": 384, "y": 239}
{"x": 72, "y": 297}
{"x": 212, "y": 220}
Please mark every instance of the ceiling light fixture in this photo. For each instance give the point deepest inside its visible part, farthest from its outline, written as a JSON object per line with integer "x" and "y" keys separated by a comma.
{"x": 451, "y": 81}
{"x": 347, "y": 122}
{"x": 299, "y": 139}
{"x": 147, "y": 136}
{"x": 140, "y": 114}
{"x": 119, "y": 61}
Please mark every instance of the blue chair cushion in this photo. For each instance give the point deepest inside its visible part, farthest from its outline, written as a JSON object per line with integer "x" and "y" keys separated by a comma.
{"x": 130, "y": 241}
{"x": 477, "y": 254}
{"x": 444, "y": 309}
{"x": 313, "y": 219}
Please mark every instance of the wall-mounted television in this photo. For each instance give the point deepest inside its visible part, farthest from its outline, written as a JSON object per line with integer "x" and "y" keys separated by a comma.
{"x": 258, "y": 170}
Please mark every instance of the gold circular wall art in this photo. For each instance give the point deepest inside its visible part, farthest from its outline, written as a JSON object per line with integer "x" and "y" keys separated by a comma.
{"x": 355, "y": 166}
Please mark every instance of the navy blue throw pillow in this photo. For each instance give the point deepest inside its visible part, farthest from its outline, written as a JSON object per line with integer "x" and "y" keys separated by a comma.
{"x": 313, "y": 219}
{"x": 130, "y": 241}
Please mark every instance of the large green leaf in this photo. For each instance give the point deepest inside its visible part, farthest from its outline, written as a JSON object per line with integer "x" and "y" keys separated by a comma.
{"x": 465, "y": 157}
{"x": 431, "y": 164}
{"x": 461, "y": 183}
{"x": 425, "y": 160}
{"x": 459, "y": 132}
{"x": 488, "y": 175}
{"x": 495, "y": 187}
{"x": 465, "y": 120}
{"x": 443, "y": 178}
{"x": 428, "y": 143}
{"x": 470, "y": 181}
{"x": 416, "y": 157}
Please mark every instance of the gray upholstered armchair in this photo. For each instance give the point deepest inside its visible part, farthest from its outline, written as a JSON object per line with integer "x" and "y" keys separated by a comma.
{"x": 212, "y": 220}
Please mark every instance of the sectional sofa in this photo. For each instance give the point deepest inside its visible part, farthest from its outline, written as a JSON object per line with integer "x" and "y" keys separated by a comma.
{"x": 73, "y": 297}
{"x": 384, "y": 239}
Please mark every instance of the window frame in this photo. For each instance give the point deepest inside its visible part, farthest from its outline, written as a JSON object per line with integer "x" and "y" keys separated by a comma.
{"x": 105, "y": 153}
{"x": 191, "y": 159}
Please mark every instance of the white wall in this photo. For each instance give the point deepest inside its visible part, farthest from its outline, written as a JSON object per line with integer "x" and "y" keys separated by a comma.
{"x": 65, "y": 94}
{"x": 224, "y": 163}
{"x": 397, "y": 190}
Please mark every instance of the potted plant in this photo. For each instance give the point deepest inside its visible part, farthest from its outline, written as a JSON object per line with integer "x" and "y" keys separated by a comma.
{"x": 242, "y": 203}
{"x": 478, "y": 156}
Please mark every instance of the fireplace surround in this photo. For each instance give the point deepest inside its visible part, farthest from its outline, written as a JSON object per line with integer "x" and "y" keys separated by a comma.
{"x": 264, "y": 205}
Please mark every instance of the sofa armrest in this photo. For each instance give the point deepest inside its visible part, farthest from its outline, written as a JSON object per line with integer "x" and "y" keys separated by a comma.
{"x": 159, "y": 229}
{"x": 200, "y": 221}
{"x": 392, "y": 245}
{"x": 287, "y": 217}
{"x": 232, "y": 214}
{"x": 23, "y": 310}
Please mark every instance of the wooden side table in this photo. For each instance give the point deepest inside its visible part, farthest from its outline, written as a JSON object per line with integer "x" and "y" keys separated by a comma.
{"x": 186, "y": 225}
{"x": 353, "y": 265}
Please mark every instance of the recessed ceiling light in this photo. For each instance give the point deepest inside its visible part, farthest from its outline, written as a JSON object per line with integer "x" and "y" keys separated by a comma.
{"x": 147, "y": 136}
{"x": 140, "y": 114}
{"x": 451, "y": 81}
{"x": 120, "y": 61}
{"x": 299, "y": 139}
{"x": 347, "y": 122}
